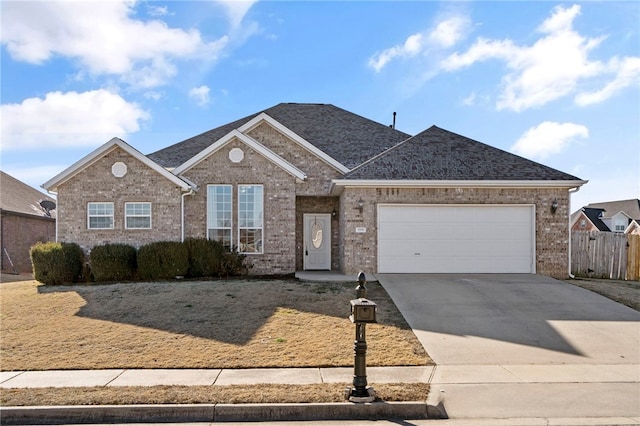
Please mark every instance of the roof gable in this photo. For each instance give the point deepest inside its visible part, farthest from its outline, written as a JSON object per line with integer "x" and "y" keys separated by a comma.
{"x": 264, "y": 117}
{"x": 249, "y": 141}
{"x": 630, "y": 207}
{"x": 343, "y": 136}
{"x": 18, "y": 197}
{"x": 441, "y": 155}
{"x": 91, "y": 158}
{"x": 595, "y": 216}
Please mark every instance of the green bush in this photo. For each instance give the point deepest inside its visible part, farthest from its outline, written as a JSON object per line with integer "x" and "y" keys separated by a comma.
{"x": 57, "y": 263}
{"x": 205, "y": 257}
{"x": 234, "y": 263}
{"x": 113, "y": 262}
{"x": 163, "y": 260}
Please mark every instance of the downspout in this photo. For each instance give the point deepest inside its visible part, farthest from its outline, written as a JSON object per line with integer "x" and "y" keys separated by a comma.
{"x": 571, "y": 191}
{"x": 191, "y": 192}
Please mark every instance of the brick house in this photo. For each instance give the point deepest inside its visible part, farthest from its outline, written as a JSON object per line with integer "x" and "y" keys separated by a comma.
{"x": 613, "y": 216}
{"x": 315, "y": 187}
{"x": 27, "y": 216}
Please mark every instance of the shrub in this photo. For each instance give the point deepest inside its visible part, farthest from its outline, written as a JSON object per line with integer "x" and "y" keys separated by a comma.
{"x": 163, "y": 260}
{"x": 57, "y": 263}
{"x": 234, "y": 263}
{"x": 113, "y": 262}
{"x": 205, "y": 257}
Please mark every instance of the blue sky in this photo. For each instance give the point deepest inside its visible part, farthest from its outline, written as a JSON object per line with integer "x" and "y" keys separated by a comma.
{"x": 558, "y": 83}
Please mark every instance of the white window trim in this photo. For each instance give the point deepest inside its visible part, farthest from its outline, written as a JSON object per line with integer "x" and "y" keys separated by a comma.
{"x": 89, "y": 215}
{"x": 126, "y": 216}
{"x": 261, "y": 251}
{"x": 230, "y": 228}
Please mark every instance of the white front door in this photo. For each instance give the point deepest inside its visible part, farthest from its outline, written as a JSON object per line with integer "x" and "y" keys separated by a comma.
{"x": 317, "y": 242}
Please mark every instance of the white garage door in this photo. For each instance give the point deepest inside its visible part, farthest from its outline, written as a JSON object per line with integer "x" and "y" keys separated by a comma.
{"x": 456, "y": 239}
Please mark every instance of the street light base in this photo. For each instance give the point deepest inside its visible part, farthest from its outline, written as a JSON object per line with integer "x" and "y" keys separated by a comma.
{"x": 371, "y": 395}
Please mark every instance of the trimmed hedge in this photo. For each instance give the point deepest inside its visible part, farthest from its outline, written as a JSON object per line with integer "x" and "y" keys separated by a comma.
{"x": 113, "y": 262}
{"x": 163, "y": 260}
{"x": 205, "y": 257}
{"x": 57, "y": 263}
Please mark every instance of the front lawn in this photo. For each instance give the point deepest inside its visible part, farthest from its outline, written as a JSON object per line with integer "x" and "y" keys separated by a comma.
{"x": 205, "y": 324}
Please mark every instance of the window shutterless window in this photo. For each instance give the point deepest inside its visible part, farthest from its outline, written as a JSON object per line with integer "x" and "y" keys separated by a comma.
{"x": 219, "y": 214}
{"x": 100, "y": 215}
{"x": 250, "y": 218}
{"x": 137, "y": 215}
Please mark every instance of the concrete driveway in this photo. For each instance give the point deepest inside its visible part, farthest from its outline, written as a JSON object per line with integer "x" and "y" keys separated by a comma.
{"x": 513, "y": 319}
{"x": 523, "y": 346}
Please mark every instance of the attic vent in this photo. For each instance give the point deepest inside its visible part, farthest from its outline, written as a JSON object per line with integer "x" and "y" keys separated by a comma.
{"x": 236, "y": 155}
{"x": 119, "y": 169}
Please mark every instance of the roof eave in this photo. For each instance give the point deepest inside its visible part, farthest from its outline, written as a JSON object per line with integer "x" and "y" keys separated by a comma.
{"x": 264, "y": 117}
{"x": 52, "y": 184}
{"x": 338, "y": 185}
{"x": 250, "y": 142}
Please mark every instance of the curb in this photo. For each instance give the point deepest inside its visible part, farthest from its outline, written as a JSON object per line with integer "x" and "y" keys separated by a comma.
{"x": 216, "y": 412}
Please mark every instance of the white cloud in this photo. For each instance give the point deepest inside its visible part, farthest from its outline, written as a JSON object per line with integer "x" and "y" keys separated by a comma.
{"x": 236, "y": 10}
{"x": 627, "y": 73}
{"x": 548, "y": 138}
{"x": 68, "y": 120}
{"x": 157, "y": 10}
{"x": 200, "y": 94}
{"x": 445, "y": 34}
{"x": 547, "y": 70}
{"x": 103, "y": 37}
{"x": 450, "y": 31}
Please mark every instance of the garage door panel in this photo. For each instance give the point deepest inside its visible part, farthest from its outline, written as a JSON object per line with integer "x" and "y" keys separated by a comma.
{"x": 448, "y": 239}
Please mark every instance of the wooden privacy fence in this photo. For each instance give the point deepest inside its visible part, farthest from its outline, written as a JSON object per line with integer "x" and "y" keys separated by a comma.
{"x": 605, "y": 255}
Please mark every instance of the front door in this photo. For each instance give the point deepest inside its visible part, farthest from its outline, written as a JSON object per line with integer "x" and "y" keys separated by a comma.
{"x": 317, "y": 242}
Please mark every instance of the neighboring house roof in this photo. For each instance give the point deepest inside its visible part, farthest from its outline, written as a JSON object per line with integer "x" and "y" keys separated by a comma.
{"x": 441, "y": 155}
{"x": 595, "y": 215}
{"x": 18, "y": 197}
{"x": 630, "y": 207}
{"x": 88, "y": 160}
{"x": 346, "y": 137}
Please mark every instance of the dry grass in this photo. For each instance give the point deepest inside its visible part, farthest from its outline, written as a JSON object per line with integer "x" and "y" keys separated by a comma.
{"x": 215, "y": 324}
{"x": 319, "y": 393}
{"x": 625, "y": 292}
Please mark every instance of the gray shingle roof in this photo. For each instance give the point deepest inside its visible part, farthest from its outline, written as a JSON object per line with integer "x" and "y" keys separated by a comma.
{"x": 630, "y": 207}
{"x": 346, "y": 137}
{"x": 18, "y": 197}
{"x": 438, "y": 154}
{"x": 594, "y": 216}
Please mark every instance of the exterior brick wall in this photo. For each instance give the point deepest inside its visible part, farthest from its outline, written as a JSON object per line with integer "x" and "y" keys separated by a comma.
{"x": 18, "y": 233}
{"x": 359, "y": 251}
{"x": 279, "y": 187}
{"x": 98, "y": 184}
{"x": 319, "y": 173}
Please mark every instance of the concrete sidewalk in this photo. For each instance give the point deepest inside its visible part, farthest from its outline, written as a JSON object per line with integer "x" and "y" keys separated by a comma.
{"x": 457, "y": 391}
{"x": 435, "y": 375}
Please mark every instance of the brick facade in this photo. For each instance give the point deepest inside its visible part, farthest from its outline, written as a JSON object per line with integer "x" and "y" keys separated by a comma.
{"x": 359, "y": 251}
{"x": 18, "y": 233}
{"x": 286, "y": 200}
{"x": 98, "y": 184}
{"x": 279, "y": 204}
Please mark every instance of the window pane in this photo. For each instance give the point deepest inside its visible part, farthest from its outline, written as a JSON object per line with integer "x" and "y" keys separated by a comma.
{"x": 100, "y": 215}
{"x": 250, "y": 211}
{"x": 137, "y": 215}
{"x": 219, "y": 213}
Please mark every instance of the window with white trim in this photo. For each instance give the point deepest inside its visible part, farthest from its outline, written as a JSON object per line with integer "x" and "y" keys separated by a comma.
{"x": 250, "y": 218}
{"x": 137, "y": 215}
{"x": 219, "y": 214}
{"x": 100, "y": 215}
